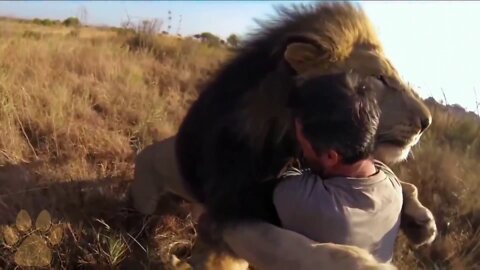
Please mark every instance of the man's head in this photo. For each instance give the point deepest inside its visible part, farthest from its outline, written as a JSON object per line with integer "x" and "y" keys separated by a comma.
{"x": 336, "y": 118}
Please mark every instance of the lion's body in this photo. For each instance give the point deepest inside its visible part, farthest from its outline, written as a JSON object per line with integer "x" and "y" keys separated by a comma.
{"x": 156, "y": 174}
{"x": 238, "y": 132}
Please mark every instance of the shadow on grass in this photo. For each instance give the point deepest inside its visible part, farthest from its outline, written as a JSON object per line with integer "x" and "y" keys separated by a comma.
{"x": 101, "y": 229}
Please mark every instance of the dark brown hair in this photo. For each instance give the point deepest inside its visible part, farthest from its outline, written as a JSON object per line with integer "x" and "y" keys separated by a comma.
{"x": 338, "y": 112}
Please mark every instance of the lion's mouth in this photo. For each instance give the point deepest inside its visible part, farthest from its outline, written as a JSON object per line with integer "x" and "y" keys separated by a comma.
{"x": 394, "y": 150}
{"x": 394, "y": 142}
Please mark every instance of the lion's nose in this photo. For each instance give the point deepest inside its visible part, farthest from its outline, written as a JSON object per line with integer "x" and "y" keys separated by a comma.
{"x": 425, "y": 123}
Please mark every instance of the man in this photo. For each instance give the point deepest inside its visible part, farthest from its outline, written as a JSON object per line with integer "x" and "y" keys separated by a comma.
{"x": 346, "y": 197}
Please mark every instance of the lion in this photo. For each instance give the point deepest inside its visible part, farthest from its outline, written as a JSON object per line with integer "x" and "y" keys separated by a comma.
{"x": 237, "y": 134}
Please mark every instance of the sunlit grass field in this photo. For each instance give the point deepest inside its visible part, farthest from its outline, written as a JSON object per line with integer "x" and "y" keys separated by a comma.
{"x": 78, "y": 103}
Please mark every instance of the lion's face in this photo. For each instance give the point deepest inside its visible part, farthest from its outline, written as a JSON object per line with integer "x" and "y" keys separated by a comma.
{"x": 404, "y": 117}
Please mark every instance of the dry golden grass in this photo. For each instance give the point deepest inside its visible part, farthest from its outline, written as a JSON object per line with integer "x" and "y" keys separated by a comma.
{"x": 445, "y": 168}
{"x": 77, "y": 104}
{"x": 74, "y": 111}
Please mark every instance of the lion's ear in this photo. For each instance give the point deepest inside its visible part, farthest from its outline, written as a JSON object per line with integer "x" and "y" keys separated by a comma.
{"x": 302, "y": 56}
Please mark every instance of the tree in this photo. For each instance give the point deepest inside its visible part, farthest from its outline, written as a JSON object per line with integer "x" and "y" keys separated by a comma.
{"x": 233, "y": 40}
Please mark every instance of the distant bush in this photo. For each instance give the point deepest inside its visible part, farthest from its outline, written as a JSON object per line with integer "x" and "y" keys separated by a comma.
{"x": 46, "y": 22}
{"x": 71, "y": 21}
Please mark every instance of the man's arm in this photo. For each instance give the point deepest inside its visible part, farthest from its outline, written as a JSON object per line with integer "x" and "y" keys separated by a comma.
{"x": 299, "y": 201}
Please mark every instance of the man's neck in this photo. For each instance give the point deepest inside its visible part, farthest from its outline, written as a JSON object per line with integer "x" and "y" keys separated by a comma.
{"x": 360, "y": 169}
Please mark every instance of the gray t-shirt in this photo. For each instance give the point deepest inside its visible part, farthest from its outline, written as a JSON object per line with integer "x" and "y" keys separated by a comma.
{"x": 364, "y": 212}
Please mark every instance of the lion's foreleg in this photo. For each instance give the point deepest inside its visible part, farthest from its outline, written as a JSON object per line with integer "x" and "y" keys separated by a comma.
{"x": 268, "y": 247}
{"x": 206, "y": 257}
{"x": 210, "y": 252}
{"x": 417, "y": 221}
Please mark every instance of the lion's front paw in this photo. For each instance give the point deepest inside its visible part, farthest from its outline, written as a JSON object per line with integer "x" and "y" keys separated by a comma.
{"x": 176, "y": 264}
{"x": 419, "y": 225}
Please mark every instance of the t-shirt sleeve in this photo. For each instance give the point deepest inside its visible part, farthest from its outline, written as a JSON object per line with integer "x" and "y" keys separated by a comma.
{"x": 294, "y": 196}
{"x": 286, "y": 198}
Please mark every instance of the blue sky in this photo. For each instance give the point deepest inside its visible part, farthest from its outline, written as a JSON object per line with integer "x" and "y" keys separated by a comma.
{"x": 434, "y": 45}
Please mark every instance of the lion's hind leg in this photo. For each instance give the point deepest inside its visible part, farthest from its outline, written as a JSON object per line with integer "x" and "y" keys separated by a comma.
{"x": 147, "y": 188}
{"x": 156, "y": 174}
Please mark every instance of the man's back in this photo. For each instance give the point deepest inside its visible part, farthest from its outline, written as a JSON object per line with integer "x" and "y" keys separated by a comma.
{"x": 364, "y": 212}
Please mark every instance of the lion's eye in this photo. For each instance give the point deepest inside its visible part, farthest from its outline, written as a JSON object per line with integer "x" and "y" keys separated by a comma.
{"x": 382, "y": 79}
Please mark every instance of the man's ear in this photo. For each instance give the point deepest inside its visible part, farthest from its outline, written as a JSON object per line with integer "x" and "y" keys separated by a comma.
{"x": 332, "y": 158}
{"x": 303, "y": 55}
